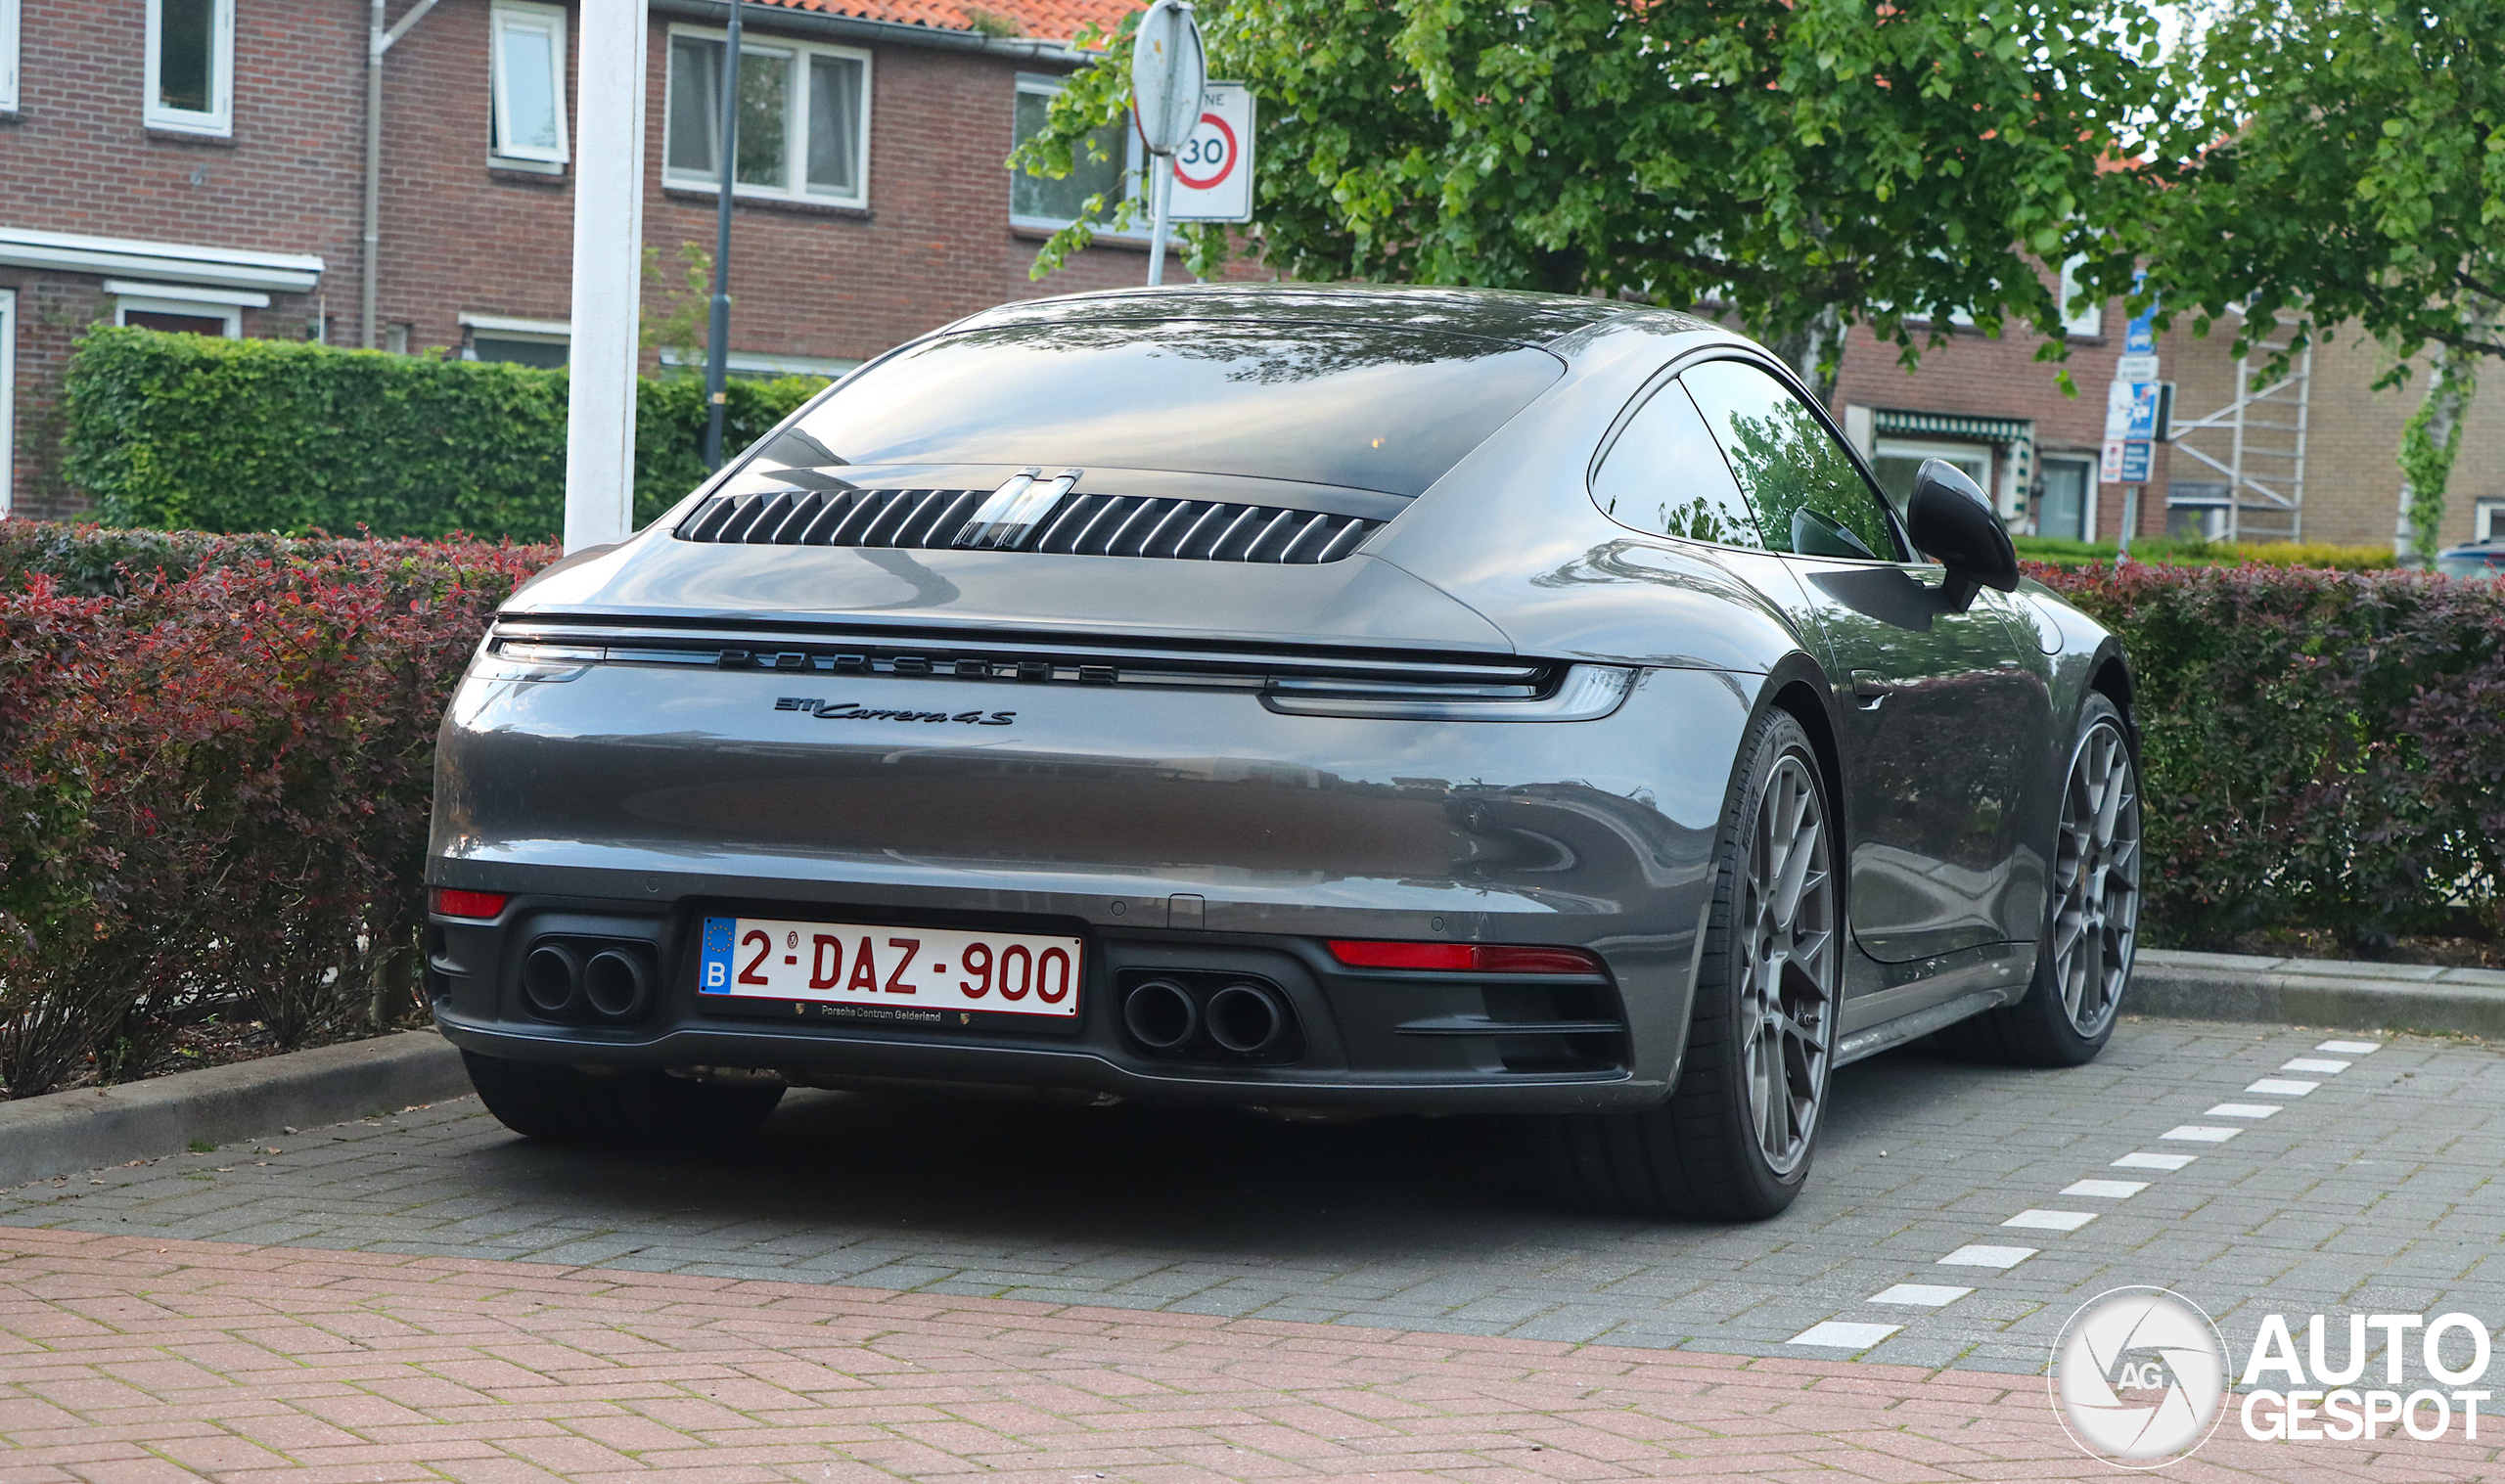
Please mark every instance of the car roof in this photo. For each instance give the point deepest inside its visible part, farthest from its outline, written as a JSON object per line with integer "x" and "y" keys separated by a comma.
{"x": 1502, "y": 314}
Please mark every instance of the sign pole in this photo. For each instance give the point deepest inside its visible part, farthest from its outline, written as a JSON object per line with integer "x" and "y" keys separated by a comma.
{"x": 1162, "y": 193}
{"x": 2130, "y": 522}
{"x": 609, "y": 270}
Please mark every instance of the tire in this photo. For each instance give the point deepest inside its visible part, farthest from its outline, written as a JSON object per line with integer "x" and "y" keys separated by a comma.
{"x": 2091, "y": 912}
{"x": 638, "y": 1110}
{"x": 1735, "y": 1138}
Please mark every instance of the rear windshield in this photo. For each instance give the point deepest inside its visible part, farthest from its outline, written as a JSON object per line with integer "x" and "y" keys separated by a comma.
{"x": 1354, "y": 405}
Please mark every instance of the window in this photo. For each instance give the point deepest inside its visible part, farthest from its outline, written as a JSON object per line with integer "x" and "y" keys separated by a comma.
{"x": 2487, "y": 520}
{"x": 8, "y": 105}
{"x": 804, "y": 119}
{"x": 2196, "y": 509}
{"x": 1354, "y": 405}
{"x": 181, "y": 316}
{"x": 527, "y": 63}
{"x": 1665, "y": 475}
{"x": 1895, "y": 461}
{"x": 1808, "y": 495}
{"x": 2084, "y": 322}
{"x": 2068, "y": 506}
{"x": 1035, "y": 202}
{"x": 8, "y": 393}
{"x": 524, "y": 342}
{"x": 191, "y": 66}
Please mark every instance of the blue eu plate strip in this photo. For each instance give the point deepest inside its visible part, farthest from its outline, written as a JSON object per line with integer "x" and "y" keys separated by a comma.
{"x": 713, "y": 972}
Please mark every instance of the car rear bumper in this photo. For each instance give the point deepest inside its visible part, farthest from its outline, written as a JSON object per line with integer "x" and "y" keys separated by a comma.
{"x": 1197, "y": 838}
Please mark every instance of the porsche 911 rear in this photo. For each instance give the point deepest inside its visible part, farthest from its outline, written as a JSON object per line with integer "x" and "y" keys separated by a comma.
{"x": 1033, "y": 711}
{"x": 1269, "y": 876}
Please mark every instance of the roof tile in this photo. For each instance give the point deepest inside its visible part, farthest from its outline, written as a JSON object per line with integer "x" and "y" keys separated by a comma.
{"x": 1046, "y": 19}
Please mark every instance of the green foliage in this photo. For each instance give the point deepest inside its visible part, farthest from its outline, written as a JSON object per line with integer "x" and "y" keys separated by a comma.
{"x": 184, "y": 431}
{"x": 2428, "y": 444}
{"x": 2173, "y": 551}
{"x": 2345, "y": 163}
{"x": 686, "y": 310}
{"x": 1806, "y": 163}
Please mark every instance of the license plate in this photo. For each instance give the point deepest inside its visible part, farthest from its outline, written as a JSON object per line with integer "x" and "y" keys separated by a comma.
{"x": 890, "y": 969}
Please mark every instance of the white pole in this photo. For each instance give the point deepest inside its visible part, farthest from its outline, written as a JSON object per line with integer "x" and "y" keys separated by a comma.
{"x": 609, "y": 260}
{"x": 1162, "y": 193}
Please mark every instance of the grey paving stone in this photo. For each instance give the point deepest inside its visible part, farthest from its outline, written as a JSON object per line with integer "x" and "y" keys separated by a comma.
{"x": 2378, "y": 1191}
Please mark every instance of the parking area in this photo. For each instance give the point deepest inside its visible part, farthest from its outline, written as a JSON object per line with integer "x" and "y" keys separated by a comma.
{"x": 1958, "y": 1213}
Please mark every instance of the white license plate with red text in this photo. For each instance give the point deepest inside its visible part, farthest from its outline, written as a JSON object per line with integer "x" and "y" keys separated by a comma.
{"x": 930, "y": 969}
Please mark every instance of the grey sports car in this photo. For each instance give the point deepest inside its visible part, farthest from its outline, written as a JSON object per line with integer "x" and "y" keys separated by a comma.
{"x": 1305, "y": 698}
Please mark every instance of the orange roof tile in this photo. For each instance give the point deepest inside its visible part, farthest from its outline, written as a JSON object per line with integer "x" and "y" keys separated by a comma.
{"x": 1046, "y": 19}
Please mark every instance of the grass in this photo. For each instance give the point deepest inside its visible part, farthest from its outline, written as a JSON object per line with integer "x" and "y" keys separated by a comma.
{"x": 2175, "y": 551}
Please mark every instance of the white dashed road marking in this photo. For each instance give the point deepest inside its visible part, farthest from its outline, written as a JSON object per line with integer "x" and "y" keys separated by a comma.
{"x": 1844, "y": 1337}
{"x": 2196, "y": 1134}
{"x": 2282, "y": 1087}
{"x": 2313, "y": 1065}
{"x": 1927, "y": 1295}
{"x": 2051, "y": 1221}
{"x": 2253, "y": 1110}
{"x": 1988, "y": 1257}
{"x": 2349, "y": 1048}
{"x": 2144, "y": 1160}
{"x": 2110, "y": 1189}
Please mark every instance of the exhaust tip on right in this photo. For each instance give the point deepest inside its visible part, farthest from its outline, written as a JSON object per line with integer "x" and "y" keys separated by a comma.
{"x": 1247, "y": 1019}
{"x": 1160, "y": 1015}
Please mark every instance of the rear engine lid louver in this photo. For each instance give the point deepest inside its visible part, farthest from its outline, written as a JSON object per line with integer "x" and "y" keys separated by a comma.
{"x": 1076, "y": 525}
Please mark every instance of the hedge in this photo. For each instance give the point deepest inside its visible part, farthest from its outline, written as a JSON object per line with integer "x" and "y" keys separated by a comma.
{"x": 187, "y": 431}
{"x": 215, "y": 756}
{"x": 2175, "y": 551}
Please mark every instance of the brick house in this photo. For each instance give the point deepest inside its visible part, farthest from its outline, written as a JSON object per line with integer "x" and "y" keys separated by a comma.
{"x": 199, "y": 165}
{"x": 2324, "y": 442}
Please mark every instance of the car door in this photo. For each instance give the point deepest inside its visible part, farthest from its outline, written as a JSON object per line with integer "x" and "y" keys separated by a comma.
{"x": 1942, "y": 709}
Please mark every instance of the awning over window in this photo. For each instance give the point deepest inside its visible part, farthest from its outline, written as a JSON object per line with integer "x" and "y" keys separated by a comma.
{"x": 1949, "y": 425}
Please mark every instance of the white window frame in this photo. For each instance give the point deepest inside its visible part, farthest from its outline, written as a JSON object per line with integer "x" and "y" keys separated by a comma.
{"x": 1133, "y": 163}
{"x": 220, "y": 118}
{"x": 1890, "y": 446}
{"x": 550, "y": 22}
{"x": 232, "y": 314}
{"x": 2088, "y": 512}
{"x": 797, "y": 108}
{"x": 2487, "y": 520}
{"x": 8, "y": 105}
{"x": 8, "y": 397}
{"x": 2085, "y": 324}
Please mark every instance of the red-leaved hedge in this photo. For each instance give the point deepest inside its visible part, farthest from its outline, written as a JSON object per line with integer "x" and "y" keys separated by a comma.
{"x": 215, "y": 756}
{"x": 215, "y": 753}
{"x": 2322, "y": 750}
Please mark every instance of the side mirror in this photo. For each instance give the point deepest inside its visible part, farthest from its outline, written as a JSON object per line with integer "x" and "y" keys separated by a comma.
{"x": 1953, "y": 522}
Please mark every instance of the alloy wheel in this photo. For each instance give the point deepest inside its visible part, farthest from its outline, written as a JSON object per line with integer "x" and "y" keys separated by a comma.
{"x": 1788, "y": 964}
{"x": 2096, "y": 880}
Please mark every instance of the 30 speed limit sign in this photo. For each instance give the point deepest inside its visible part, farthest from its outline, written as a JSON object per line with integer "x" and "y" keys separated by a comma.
{"x": 1213, "y": 165}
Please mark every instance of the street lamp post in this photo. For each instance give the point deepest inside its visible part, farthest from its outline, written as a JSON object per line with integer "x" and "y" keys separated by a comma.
{"x": 717, "y": 326}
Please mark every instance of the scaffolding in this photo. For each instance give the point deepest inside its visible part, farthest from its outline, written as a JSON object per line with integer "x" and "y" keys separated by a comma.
{"x": 2265, "y": 461}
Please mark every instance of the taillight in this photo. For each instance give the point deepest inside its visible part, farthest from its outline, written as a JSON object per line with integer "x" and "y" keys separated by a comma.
{"x": 1469, "y": 958}
{"x": 452, "y": 902}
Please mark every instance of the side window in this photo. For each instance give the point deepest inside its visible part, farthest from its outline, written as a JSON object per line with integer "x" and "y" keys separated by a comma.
{"x": 1807, "y": 495}
{"x": 1664, "y": 475}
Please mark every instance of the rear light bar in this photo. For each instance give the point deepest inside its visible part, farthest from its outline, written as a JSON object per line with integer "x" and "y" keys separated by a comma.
{"x": 452, "y": 902}
{"x": 1469, "y": 958}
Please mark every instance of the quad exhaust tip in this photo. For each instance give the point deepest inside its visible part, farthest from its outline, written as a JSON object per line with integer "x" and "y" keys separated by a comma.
{"x": 1247, "y": 1019}
{"x": 552, "y": 980}
{"x": 1160, "y": 1015}
{"x": 582, "y": 980}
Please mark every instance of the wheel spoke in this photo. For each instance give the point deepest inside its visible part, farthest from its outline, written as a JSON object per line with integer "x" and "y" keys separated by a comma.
{"x": 2095, "y": 879}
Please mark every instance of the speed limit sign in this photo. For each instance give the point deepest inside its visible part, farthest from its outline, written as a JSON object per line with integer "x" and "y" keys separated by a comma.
{"x": 1214, "y": 164}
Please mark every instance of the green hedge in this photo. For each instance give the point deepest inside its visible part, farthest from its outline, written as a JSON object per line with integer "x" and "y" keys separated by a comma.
{"x": 2175, "y": 551}
{"x": 185, "y": 430}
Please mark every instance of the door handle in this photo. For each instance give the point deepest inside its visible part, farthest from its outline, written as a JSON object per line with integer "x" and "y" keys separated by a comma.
{"x": 1869, "y": 690}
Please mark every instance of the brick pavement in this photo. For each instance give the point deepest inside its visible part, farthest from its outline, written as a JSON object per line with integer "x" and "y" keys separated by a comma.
{"x": 2377, "y": 1192}
{"x": 135, "y": 1359}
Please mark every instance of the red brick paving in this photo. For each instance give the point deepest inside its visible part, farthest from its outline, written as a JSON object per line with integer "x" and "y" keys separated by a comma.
{"x": 129, "y": 1360}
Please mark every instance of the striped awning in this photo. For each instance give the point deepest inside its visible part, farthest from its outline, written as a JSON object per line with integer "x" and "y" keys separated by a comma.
{"x": 1949, "y": 425}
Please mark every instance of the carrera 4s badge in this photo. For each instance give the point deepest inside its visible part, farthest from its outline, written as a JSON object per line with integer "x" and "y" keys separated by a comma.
{"x": 846, "y": 710}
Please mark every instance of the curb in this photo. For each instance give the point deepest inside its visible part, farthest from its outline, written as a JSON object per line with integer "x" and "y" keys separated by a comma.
{"x": 2330, "y": 993}
{"x": 90, "y": 1128}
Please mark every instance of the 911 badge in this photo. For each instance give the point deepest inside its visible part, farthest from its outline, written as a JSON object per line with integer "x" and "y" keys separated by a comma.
{"x": 848, "y": 710}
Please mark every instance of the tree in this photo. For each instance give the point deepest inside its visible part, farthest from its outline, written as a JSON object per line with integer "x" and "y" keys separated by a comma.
{"x": 1804, "y": 164}
{"x": 2345, "y": 164}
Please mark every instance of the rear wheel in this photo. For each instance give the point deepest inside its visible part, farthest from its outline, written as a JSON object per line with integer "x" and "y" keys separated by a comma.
{"x": 2092, "y": 917}
{"x": 1735, "y": 1139}
{"x": 636, "y": 1109}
